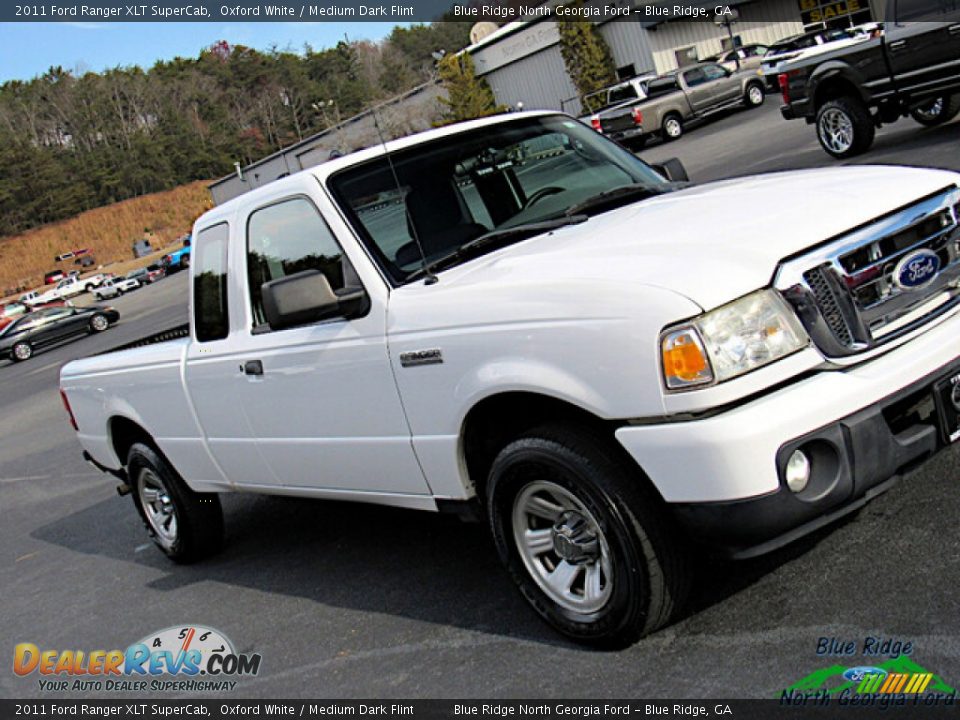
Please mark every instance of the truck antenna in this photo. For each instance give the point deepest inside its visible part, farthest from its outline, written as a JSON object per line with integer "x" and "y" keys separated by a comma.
{"x": 429, "y": 277}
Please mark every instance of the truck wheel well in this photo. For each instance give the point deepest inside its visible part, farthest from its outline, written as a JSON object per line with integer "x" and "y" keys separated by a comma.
{"x": 497, "y": 420}
{"x": 123, "y": 434}
{"x": 833, "y": 88}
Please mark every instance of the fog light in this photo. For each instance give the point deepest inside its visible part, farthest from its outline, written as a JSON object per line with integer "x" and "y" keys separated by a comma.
{"x": 797, "y": 473}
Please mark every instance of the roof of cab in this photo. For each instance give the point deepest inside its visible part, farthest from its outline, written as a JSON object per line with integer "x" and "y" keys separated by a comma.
{"x": 325, "y": 169}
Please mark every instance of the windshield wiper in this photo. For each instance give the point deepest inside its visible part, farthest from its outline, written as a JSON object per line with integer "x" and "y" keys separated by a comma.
{"x": 623, "y": 192}
{"x": 497, "y": 237}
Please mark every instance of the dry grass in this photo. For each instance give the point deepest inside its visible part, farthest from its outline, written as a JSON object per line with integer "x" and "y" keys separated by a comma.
{"x": 108, "y": 231}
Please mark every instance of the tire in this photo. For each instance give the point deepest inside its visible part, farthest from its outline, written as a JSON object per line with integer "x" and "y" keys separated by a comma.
{"x": 754, "y": 95}
{"x": 186, "y": 525}
{"x": 184, "y": 262}
{"x": 672, "y": 127}
{"x": 21, "y": 351}
{"x": 99, "y": 323}
{"x": 635, "y": 565}
{"x": 938, "y": 111}
{"x": 845, "y": 127}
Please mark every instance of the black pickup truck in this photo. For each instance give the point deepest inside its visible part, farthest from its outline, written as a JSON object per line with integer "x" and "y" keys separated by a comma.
{"x": 912, "y": 67}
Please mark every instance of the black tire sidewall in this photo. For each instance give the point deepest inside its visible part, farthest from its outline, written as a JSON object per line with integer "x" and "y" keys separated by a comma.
{"x": 95, "y": 330}
{"x": 535, "y": 458}
{"x": 13, "y": 352}
{"x": 860, "y": 120}
{"x": 667, "y": 136}
{"x": 750, "y": 102}
{"x": 199, "y": 517}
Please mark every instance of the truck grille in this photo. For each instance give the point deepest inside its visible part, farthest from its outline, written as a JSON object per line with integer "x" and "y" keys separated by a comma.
{"x": 858, "y": 291}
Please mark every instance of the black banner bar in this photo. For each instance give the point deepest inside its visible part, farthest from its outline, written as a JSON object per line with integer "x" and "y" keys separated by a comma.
{"x": 891, "y": 706}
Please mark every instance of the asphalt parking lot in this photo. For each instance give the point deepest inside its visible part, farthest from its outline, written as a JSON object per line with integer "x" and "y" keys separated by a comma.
{"x": 352, "y": 601}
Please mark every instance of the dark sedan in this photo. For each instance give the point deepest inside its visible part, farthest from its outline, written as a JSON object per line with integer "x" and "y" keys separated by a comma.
{"x": 32, "y": 331}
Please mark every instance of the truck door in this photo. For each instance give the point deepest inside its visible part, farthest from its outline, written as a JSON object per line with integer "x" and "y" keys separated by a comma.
{"x": 923, "y": 45}
{"x": 699, "y": 90}
{"x": 320, "y": 399}
{"x": 212, "y": 367}
{"x": 725, "y": 86}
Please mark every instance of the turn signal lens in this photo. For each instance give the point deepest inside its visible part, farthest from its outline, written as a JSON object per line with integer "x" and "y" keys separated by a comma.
{"x": 685, "y": 362}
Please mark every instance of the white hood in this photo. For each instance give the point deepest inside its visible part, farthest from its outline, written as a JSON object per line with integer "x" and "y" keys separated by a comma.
{"x": 715, "y": 242}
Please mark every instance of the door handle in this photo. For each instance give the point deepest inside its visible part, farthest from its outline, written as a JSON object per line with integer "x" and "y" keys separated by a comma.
{"x": 898, "y": 45}
{"x": 252, "y": 367}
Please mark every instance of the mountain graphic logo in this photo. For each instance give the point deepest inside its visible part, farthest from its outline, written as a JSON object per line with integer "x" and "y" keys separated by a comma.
{"x": 900, "y": 675}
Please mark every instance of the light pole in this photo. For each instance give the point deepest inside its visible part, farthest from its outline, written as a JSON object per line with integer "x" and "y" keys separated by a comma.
{"x": 727, "y": 19}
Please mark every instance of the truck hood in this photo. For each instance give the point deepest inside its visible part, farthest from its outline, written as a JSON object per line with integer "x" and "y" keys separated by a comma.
{"x": 714, "y": 242}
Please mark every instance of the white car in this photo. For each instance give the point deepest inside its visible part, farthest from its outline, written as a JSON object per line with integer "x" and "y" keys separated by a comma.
{"x": 70, "y": 287}
{"x": 597, "y": 361}
{"x": 112, "y": 287}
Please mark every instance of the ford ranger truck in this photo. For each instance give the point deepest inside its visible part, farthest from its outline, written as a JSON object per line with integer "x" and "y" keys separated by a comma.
{"x": 517, "y": 316}
{"x": 910, "y": 68}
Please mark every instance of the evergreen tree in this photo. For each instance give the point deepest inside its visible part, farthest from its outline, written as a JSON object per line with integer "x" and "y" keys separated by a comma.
{"x": 586, "y": 54}
{"x": 468, "y": 97}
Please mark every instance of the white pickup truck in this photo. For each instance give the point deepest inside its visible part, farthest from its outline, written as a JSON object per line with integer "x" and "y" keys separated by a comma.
{"x": 516, "y": 315}
{"x": 70, "y": 287}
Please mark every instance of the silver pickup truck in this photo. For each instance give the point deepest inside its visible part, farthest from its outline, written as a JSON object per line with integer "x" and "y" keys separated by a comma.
{"x": 675, "y": 99}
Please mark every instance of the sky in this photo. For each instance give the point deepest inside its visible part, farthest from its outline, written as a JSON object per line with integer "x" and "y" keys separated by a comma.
{"x": 29, "y": 49}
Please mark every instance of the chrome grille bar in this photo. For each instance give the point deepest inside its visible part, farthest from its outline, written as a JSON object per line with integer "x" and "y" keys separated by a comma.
{"x": 846, "y": 292}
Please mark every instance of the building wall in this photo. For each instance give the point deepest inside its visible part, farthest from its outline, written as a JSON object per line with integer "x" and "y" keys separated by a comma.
{"x": 527, "y": 67}
{"x": 781, "y": 18}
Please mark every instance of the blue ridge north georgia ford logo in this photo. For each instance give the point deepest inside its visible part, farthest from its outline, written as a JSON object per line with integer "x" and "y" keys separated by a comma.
{"x": 916, "y": 269}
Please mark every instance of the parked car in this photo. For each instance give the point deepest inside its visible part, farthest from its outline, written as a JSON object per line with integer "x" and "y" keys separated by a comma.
{"x": 749, "y": 57}
{"x": 614, "y": 98}
{"x": 675, "y": 99}
{"x": 604, "y": 367}
{"x": 12, "y": 311}
{"x": 72, "y": 286}
{"x": 114, "y": 287}
{"x": 53, "y": 276}
{"x": 912, "y": 69}
{"x": 29, "y": 298}
{"x": 177, "y": 260}
{"x": 155, "y": 272}
{"x": 38, "y": 329}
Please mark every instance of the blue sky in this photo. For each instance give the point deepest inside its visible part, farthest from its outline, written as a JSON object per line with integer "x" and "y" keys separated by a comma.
{"x": 28, "y": 49}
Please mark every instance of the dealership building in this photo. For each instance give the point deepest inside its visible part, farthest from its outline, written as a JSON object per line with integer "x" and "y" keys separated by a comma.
{"x": 522, "y": 63}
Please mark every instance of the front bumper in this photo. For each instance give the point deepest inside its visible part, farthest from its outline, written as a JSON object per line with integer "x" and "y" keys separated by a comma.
{"x": 862, "y": 427}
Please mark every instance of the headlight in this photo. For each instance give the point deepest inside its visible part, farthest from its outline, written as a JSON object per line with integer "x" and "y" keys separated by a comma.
{"x": 730, "y": 341}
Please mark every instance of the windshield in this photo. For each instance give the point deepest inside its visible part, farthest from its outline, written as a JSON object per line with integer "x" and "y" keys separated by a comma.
{"x": 457, "y": 188}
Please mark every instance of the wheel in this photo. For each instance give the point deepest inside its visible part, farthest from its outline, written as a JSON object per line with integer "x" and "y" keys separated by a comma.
{"x": 938, "y": 111}
{"x": 185, "y": 262}
{"x": 21, "y": 351}
{"x": 584, "y": 537}
{"x": 99, "y": 323}
{"x": 754, "y": 96}
{"x": 844, "y": 127}
{"x": 185, "y": 525}
{"x": 672, "y": 127}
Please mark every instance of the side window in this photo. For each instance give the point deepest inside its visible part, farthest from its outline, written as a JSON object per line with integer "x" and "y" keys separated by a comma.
{"x": 694, "y": 77}
{"x": 714, "y": 72}
{"x": 210, "y": 284}
{"x": 287, "y": 238}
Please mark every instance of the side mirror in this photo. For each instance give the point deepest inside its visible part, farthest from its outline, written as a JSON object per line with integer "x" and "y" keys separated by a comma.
{"x": 673, "y": 170}
{"x": 306, "y": 297}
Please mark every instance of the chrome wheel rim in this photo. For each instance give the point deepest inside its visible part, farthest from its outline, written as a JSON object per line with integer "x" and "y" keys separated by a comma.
{"x": 542, "y": 511}
{"x": 836, "y": 130}
{"x": 99, "y": 322}
{"x": 672, "y": 127}
{"x": 22, "y": 352}
{"x": 931, "y": 111}
{"x": 755, "y": 94}
{"x": 158, "y": 507}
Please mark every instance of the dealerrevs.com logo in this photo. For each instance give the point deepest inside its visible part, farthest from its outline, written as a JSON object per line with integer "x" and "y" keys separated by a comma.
{"x": 184, "y": 658}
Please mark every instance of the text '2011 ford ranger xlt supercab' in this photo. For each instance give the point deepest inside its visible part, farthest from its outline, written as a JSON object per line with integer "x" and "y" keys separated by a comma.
{"x": 516, "y": 314}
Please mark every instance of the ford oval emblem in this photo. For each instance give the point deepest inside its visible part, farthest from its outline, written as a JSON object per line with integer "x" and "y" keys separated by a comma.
{"x": 856, "y": 674}
{"x": 916, "y": 270}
